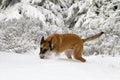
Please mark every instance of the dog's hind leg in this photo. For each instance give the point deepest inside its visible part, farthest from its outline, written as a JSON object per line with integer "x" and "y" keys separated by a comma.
{"x": 68, "y": 53}
{"x": 78, "y": 49}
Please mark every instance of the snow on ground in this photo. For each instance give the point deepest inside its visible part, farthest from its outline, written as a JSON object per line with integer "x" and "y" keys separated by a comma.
{"x": 30, "y": 67}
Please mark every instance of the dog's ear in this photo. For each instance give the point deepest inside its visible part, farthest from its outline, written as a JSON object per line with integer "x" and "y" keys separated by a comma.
{"x": 51, "y": 44}
{"x": 42, "y": 40}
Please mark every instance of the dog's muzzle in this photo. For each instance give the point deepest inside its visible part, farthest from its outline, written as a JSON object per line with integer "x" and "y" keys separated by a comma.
{"x": 42, "y": 55}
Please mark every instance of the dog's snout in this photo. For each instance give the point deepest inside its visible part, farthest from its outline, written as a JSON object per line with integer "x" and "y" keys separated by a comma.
{"x": 42, "y": 57}
{"x": 43, "y": 52}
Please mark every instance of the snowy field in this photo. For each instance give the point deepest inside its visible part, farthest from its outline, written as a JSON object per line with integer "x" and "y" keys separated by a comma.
{"x": 30, "y": 67}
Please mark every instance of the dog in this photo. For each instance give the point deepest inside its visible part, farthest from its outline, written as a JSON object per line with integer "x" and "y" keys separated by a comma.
{"x": 71, "y": 44}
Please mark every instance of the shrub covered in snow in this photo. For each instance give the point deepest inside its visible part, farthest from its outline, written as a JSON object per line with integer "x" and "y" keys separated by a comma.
{"x": 20, "y": 35}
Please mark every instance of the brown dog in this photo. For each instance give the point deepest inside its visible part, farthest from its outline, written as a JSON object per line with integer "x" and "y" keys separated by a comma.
{"x": 69, "y": 43}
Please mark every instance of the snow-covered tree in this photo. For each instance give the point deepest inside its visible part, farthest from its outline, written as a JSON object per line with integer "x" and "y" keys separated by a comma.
{"x": 23, "y": 22}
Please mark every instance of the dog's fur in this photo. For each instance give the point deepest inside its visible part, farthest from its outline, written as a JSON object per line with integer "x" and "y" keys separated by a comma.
{"x": 68, "y": 43}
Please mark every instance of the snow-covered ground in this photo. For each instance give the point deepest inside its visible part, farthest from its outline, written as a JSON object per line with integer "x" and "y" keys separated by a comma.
{"x": 30, "y": 67}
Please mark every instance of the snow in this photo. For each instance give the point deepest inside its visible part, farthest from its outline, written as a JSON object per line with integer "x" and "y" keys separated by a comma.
{"x": 30, "y": 67}
{"x": 10, "y": 13}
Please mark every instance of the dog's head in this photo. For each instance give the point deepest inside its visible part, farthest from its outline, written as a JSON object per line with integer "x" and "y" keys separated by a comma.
{"x": 45, "y": 46}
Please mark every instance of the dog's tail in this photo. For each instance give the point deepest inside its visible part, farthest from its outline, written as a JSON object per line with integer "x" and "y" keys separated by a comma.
{"x": 93, "y": 37}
